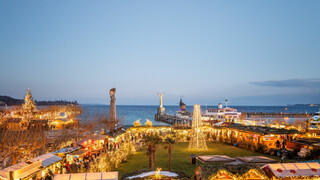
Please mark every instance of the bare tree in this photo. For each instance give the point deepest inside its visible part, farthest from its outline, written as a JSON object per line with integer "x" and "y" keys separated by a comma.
{"x": 22, "y": 144}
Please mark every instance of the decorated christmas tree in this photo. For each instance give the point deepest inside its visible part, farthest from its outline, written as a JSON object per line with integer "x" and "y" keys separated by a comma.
{"x": 29, "y": 107}
{"x": 198, "y": 138}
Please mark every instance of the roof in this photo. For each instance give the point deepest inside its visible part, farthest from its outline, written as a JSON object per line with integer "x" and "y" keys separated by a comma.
{"x": 83, "y": 143}
{"x": 219, "y": 123}
{"x": 97, "y": 137}
{"x": 39, "y": 121}
{"x": 256, "y": 159}
{"x": 264, "y": 130}
{"x": 88, "y": 176}
{"x": 47, "y": 159}
{"x": 294, "y": 169}
{"x": 13, "y": 120}
{"x": 215, "y": 158}
{"x": 21, "y": 170}
{"x": 66, "y": 150}
{"x": 307, "y": 141}
{"x": 79, "y": 152}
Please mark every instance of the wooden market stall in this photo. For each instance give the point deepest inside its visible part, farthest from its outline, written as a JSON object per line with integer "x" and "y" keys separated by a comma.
{"x": 22, "y": 171}
{"x": 243, "y": 172}
{"x": 79, "y": 154}
{"x": 49, "y": 162}
{"x": 88, "y": 176}
{"x": 292, "y": 170}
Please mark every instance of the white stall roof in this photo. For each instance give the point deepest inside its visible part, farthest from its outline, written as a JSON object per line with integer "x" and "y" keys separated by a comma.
{"x": 21, "y": 170}
{"x": 294, "y": 169}
{"x": 215, "y": 158}
{"x": 88, "y": 176}
{"x": 47, "y": 159}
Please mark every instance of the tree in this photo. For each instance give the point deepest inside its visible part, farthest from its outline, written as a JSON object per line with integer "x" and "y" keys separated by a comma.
{"x": 28, "y": 108}
{"x": 19, "y": 145}
{"x": 151, "y": 142}
{"x": 169, "y": 141}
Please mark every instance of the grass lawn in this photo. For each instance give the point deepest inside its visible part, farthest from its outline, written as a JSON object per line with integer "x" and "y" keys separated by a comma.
{"x": 181, "y": 157}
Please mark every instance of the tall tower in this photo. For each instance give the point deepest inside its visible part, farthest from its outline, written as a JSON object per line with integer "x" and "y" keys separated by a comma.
{"x": 112, "y": 113}
{"x": 182, "y": 105}
{"x": 198, "y": 139}
{"x": 161, "y": 109}
{"x": 226, "y": 100}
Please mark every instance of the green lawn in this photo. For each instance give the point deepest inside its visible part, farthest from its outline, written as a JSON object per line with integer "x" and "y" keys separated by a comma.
{"x": 181, "y": 157}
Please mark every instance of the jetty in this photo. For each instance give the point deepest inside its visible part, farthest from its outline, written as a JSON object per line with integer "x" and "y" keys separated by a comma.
{"x": 275, "y": 115}
{"x": 172, "y": 119}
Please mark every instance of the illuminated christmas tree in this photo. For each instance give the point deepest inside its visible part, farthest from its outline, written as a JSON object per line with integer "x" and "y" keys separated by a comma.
{"x": 29, "y": 107}
{"x": 198, "y": 138}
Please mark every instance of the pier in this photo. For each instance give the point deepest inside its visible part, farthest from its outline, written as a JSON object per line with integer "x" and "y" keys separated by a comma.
{"x": 275, "y": 115}
{"x": 171, "y": 119}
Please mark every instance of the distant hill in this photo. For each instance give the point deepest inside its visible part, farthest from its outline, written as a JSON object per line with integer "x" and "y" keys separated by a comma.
{"x": 10, "y": 101}
{"x": 303, "y": 105}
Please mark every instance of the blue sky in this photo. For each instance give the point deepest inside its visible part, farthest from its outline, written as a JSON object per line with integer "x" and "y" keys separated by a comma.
{"x": 253, "y": 52}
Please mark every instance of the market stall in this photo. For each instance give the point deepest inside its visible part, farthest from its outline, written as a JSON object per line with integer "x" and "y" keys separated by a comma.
{"x": 292, "y": 170}
{"x": 49, "y": 162}
{"x": 88, "y": 176}
{"x": 22, "y": 171}
{"x": 79, "y": 154}
{"x": 243, "y": 171}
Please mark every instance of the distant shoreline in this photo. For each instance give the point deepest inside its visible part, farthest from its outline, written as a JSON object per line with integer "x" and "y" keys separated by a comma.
{"x": 10, "y": 101}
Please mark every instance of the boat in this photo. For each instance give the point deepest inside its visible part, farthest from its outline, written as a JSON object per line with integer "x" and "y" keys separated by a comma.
{"x": 315, "y": 121}
{"x": 222, "y": 113}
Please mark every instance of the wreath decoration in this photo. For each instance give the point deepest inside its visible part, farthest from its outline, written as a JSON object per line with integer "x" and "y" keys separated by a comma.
{"x": 293, "y": 171}
{"x": 279, "y": 170}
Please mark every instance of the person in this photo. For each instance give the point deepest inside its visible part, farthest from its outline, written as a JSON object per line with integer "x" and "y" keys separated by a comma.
{"x": 68, "y": 166}
{"x": 278, "y": 144}
{"x": 64, "y": 170}
{"x": 74, "y": 167}
{"x": 61, "y": 169}
{"x": 47, "y": 177}
{"x": 284, "y": 144}
{"x": 86, "y": 165}
{"x": 283, "y": 157}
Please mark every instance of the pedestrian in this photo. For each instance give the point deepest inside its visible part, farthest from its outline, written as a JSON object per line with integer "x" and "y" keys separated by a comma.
{"x": 278, "y": 144}
{"x": 283, "y": 157}
{"x": 68, "y": 166}
{"x": 74, "y": 167}
{"x": 284, "y": 144}
{"x": 64, "y": 170}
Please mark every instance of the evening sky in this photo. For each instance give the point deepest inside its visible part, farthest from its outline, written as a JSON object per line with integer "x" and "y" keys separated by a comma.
{"x": 253, "y": 52}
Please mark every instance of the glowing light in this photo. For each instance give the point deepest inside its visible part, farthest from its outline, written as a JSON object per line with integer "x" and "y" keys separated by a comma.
{"x": 157, "y": 174}
{"x": 198, "y": 140}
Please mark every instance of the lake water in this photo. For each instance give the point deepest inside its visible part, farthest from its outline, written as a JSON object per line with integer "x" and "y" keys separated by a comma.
{"x": 129, "y": 114}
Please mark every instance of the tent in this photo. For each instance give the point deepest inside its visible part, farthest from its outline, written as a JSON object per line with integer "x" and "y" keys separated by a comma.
{"x": 296, "y": 170}
{"x": 215, "y": 159}
{"x": 256, "y": 159}
{"x": 88, "y": 176}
